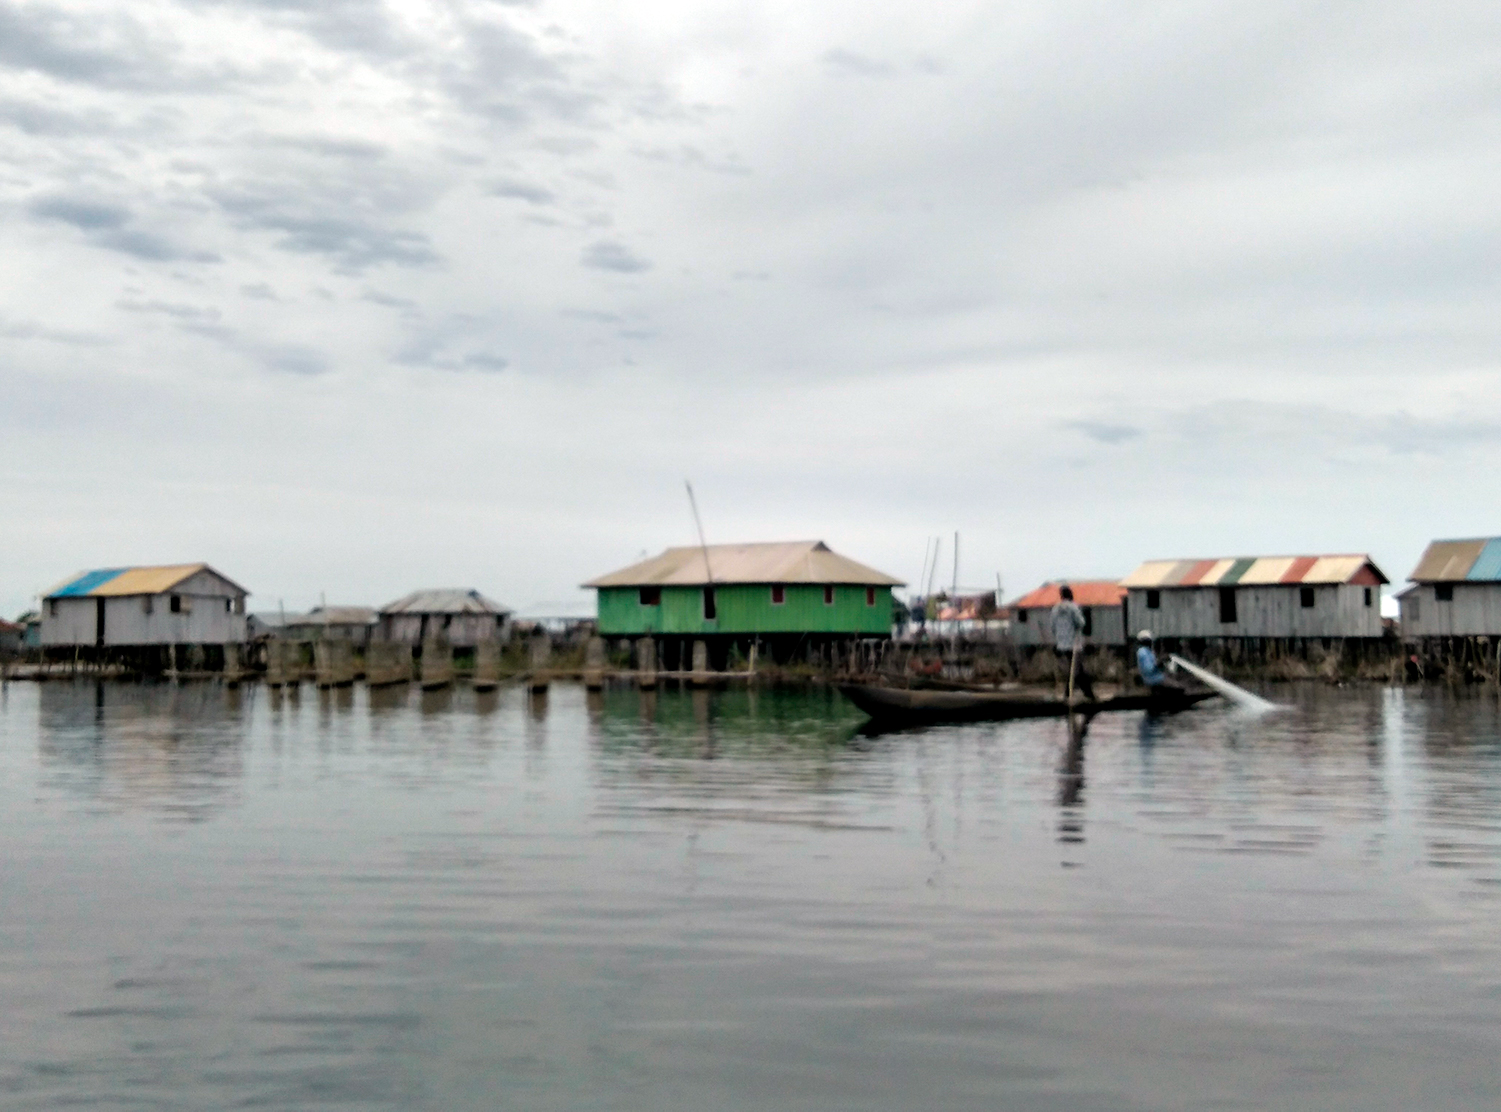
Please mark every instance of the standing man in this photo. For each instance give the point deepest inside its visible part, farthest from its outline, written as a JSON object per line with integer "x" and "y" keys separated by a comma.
{"x": 1068, "y": 641}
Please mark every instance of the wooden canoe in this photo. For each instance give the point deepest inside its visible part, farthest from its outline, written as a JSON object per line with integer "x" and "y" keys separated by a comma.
{"x": 898, "y": 704}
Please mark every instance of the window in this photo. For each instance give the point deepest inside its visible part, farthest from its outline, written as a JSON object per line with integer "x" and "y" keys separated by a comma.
{"x": 146, "y": 604}
{"x": 229, "y": 606}
{"x": 1305, "y": 597}
{"x": 1368, "y": 596}
{"x": 1088, "y": 620}
{"x": 176, "y": 606}
{"x": 1021, "y": 616}
{"x": 651, "y": 596}
{"x": 870, "y": 596}
{"x": 1154, "y": 600}
{"x": 1414, "y": 611}
{"x": 711, "y": 611}
{"x": 1444, "y": 592}
{"x": 778, "y": 595}
{"x": 52, "y": 607}
{"x": 828, "y": 596}
{"x": 1227, "y": 605}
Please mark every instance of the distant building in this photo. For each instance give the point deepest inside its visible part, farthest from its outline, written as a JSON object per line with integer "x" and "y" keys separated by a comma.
{"x": 783, "y": 594}
{"x": 178, "y": 604}
{"x": 465, "y": 617}
{"x": 1455, "y": 591}
{"x": 12, "y": 634}
{"x": 1257, "y": 597}
{"x": 1102, "y": 600}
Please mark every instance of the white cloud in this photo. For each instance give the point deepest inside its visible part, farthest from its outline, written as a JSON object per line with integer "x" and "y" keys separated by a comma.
{"x": 1090, "y": 284}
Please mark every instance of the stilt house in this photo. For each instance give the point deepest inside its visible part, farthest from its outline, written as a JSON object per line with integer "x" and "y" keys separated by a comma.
{"x": 465, "y": 617}
{"x": 780, "y": 595}
{"x": 1455, "y": 591}
{"x": 1102, "y": 600}
{"x": 177, "y": 604}
{"x": 1298, "y": 597}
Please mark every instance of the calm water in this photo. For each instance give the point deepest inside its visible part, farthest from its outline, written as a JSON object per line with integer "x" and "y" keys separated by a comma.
{"x": 213, "y": 900}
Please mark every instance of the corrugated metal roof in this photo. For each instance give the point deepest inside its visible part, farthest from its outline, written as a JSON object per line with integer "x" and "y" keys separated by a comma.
{"x": 1252, "y": 571}
{"x": 146, "y": 580}
{"x": 446, "y": 600}
{"x": 1087, "y": 592}
{"x": 339, "y": 615}
{"x": 1475, "y": 558}
{"x": 786, "y": 562}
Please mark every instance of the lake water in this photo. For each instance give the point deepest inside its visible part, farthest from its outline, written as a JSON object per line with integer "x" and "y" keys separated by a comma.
{"x": 215, "y": 899}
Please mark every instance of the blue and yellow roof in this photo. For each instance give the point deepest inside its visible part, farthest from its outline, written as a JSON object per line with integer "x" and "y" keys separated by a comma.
{"x": 1477, "y": 559}
{"x": 114, "y": 582}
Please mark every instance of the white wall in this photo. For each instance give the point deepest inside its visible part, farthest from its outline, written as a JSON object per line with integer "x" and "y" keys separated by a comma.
{"x": 207, "y": 616}
{"x": 1107, "y": 626}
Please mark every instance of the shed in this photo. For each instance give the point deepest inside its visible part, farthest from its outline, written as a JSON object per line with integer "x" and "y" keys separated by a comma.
{"x": 1455, "y": 590}
{"x": 1255, "y": 597}
{"x": 171, "y": 604}
{"x": 333, "y": 623}
{"x": 11, "y": 636}
{"x": 464, "y": 616}
{"x": 1102, "y": 600}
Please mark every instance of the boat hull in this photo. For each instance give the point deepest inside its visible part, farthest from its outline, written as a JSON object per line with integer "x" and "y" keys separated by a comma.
{"x": 896, "y": 704}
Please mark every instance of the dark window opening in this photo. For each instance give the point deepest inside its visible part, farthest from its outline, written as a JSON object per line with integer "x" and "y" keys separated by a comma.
{"x": 1368, "y": 596}
{"x": 1444, "y": 592}
{"x": 1088, "y": 620}
{"x": 778, "y": 595}
{"x": 1227, "y": 605}
{"x": 651, "y": 596}
{"x": 1021, "y": 616}
{"x": 828, "y": 596}
{"x": 1154, "y": 600}
{"x": 1305, "y": 597}
{"x": 229, "y": 606}
{"x": 447, "y": 620}
{"x": 711, "y": 611}
{"x": 870, "y": 596}
{"x": 176, "y": 606}
{"x": 99, "y": 622}
{"x": 52, "y": 607}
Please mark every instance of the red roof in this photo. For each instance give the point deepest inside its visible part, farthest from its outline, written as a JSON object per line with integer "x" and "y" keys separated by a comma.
{"x": 1087, "y": 592}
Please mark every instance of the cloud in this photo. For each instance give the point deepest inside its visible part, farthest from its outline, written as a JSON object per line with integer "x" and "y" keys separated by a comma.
{"x": 859, "y": 65}
{"x": 108, "y": 225}
{"x": 327, "y": 221}
{"x": 606, "y": 254}
{"x": 522, "y": 191}
{"x": 31, "y": 330}
{"x": 1104, "y": 432}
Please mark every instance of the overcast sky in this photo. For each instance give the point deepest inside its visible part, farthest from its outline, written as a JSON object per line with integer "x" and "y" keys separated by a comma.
{"x": 355, "y": 297}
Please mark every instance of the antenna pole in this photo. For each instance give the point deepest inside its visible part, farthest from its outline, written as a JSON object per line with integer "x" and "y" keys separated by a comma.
{"x": 699, "y": 525}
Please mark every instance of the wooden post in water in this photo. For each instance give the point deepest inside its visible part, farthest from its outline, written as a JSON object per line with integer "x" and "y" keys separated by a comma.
{"x": 751, "y": 663}
{"x": 333, "y": 663}
{"x": 276, "y": 663}
{"x": 234, "y": 669}
{"x": 594, "y": 664}
{"x": 487, "y": 665}
{"x": 388, "y": 662}
{"x": 541, "y": 657}
{"x": 646, "y": 664}
{"x": 699, "y": 675}
{"x": 437, "y": 663}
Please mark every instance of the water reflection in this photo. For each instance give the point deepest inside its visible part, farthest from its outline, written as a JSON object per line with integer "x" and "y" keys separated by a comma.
{"x": 731, "y": 899}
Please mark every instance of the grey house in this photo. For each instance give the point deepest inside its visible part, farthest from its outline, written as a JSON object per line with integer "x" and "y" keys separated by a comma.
{"x": 465, "y": 617}
{"x": 177, "y": 604}
{"x": 1455, "y": 591}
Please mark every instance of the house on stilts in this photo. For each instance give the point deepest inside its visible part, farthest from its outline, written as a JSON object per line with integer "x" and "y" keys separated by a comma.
{"x": 788, "y": 600}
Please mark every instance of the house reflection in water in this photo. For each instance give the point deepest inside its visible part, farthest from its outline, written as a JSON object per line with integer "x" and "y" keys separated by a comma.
{"x": 174, "y": 749}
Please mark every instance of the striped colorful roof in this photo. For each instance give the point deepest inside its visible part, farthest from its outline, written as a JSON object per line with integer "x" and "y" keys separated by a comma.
{"x": 1475, "y": 559}
{"x": 114, "y": 582}
{"x": 1087, "y": 592}
{"x": 1255, "y": 571}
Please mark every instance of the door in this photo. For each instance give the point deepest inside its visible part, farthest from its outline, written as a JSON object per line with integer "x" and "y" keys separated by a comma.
{"x": 99, "y": 622}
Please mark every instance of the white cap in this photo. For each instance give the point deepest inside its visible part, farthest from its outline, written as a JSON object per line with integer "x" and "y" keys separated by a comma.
{"x": 1144, "y": 635}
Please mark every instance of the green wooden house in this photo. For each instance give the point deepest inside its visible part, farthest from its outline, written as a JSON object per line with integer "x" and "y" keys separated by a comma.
{"x": 781, "y": 596}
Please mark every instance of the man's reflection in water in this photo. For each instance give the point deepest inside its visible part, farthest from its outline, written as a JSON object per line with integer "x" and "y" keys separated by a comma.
{"x": 1071, "y": 781}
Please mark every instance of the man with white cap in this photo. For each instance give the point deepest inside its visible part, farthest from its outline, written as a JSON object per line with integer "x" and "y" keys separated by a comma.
{"x": 1146, "y": 663}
